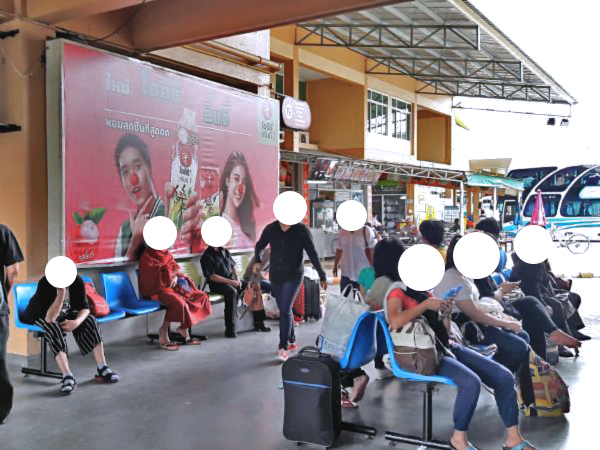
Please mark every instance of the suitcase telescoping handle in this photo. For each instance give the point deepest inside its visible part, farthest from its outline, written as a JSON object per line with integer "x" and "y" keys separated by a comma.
{"x": 313, "y": 352}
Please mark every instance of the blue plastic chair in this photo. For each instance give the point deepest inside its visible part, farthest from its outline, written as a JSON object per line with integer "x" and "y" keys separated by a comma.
{"x": 23, "y": 294}
{"x": 507, "y": 273}
{"x": 386, "y": 345}
{"x": 497, "y": 277}
{"x": 120, "y": 293}
{"x": 362, "y": 347}
{"x": 116, "y": 313}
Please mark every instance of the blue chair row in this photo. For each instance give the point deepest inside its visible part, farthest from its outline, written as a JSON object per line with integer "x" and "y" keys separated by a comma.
{"x": 499, "y": 277}
{"x": 371, "y": 336}
{"x": 120, "y": 296}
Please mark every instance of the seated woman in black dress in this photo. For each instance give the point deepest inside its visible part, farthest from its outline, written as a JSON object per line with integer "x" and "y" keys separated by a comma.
{"x": 58, "y": 311}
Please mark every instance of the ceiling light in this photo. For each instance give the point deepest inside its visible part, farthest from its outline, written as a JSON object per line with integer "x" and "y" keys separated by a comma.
{"x": 551, "y": 121}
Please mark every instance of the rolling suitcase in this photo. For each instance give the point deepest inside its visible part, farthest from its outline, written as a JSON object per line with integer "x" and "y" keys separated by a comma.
{"x": 312, "y": 299}
{"x": 312, "y": 397}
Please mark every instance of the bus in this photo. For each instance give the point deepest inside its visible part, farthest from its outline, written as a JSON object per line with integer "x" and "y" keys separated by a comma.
{"x": 571, "y": 197}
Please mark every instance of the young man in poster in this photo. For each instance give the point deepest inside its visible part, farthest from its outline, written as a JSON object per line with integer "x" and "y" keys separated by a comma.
{"x": 135, "y": 169}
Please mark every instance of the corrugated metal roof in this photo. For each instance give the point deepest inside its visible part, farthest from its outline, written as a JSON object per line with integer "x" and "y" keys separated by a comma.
{"x": 447, "y": 44}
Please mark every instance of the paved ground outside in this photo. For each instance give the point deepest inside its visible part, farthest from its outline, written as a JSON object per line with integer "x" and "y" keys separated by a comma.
{"x": 224, "y": 395}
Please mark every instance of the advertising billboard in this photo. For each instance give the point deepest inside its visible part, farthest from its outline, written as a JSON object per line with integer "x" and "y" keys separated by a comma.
{"x": 137, "y": 140}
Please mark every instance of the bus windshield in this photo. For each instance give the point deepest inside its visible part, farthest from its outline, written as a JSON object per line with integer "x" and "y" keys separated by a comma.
{"x": 583, "y": 198}
{"x": 530, "y": 177}
{"x": 550, "y": 201}
{"x": 559, "y": 181}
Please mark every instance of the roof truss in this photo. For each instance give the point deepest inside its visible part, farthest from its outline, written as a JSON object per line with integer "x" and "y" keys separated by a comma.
{"x": 405, "y": 170}
{"x": 475, "y": 69}
{"x": 373, "y": 35}
{"x": 500, "y": 91}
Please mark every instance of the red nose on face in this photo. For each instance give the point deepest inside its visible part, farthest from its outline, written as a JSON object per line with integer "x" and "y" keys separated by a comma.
{"x": 240, "y": 188}
{"x": 134, "y": 180}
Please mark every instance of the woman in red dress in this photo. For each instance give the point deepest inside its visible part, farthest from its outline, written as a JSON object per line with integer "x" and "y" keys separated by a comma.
{"x": 160, "y": 278}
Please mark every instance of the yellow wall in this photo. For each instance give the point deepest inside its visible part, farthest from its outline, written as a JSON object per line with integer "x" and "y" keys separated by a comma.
{"x": 336, "y": 62}
{"x": 338, "y": 111}
{"x": 23, "y": 180}
{"x": 433, "y": 138}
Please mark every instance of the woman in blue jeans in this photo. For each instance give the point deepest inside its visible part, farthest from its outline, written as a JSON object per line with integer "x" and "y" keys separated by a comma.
{"x": 286, "y": 272}
{"x": 468, "y": 370}
{"x": 487, "y": 327}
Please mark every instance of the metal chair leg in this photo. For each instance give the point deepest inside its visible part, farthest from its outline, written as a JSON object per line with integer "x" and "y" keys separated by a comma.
{"x": 43, "y": 370}
{"x": 371, "y": 432}
{"x": 426, "y": 436}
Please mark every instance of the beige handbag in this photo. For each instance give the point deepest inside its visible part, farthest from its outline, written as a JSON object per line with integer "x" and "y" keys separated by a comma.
{"x": 414, "y": 344}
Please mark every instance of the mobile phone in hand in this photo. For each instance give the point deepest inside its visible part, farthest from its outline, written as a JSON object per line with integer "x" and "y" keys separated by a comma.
{"x": 452, "y": 293}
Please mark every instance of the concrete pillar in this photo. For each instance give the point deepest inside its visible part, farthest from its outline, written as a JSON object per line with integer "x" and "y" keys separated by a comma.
{"x": 461, "y": 208}
{"x": 410, "y": 201}
{"x": 291, "y": 87}
{"x": 23, "y": 181}
{"x": 476, "y": 199}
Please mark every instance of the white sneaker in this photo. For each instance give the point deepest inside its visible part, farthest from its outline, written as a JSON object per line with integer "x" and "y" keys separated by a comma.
{"x": 282, "y": 355}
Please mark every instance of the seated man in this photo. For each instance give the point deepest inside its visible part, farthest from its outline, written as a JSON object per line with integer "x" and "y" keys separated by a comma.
{"x": 160, "y": 278}
{"x": 219, "y": 268}
{"x": 433, "y": 232}
{"x": 250, "y": 276}
{"x": 59, "y": 311}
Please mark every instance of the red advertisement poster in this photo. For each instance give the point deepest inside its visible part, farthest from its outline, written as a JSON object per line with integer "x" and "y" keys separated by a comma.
{"x": 141, "y": 141}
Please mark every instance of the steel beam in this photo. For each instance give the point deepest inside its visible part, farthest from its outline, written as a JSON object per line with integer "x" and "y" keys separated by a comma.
{"x": 500, "y": 91}
{"x": 405, "y": 170}
{"x": 477, "y": 69}
{"x": 373, "y": 35}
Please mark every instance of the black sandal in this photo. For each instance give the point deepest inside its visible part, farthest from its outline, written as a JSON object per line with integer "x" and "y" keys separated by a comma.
{"x": 68, "y": 384}
{"x": 106, "y": 375}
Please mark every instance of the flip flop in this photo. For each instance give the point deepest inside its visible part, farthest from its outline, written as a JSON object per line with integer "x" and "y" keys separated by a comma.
{"x": 170, "y": 346}
{"x": 521, "y": 446}
{"x": 346, "y": 402}
{"x": 192, "y": 341}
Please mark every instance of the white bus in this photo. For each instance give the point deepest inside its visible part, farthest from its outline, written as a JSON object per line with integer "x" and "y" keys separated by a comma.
{"x": 571, "y": 198}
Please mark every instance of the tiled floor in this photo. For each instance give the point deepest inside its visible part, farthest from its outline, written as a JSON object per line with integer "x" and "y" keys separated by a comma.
{"x": 224, "y": 395}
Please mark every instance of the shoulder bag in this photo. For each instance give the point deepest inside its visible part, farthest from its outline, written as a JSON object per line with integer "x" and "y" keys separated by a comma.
{"x": 414, "y": 343}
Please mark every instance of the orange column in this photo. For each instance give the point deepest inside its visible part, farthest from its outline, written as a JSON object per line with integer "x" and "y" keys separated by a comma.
{"x": 410, "y": 201}
{"x": 476, "y": 199}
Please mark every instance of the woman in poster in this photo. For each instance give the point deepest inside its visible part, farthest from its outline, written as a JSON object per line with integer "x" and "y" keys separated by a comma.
{"x": 238, "y": 201}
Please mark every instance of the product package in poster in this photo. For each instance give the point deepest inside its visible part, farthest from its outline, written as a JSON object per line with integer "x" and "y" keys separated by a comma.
{"x": 142, "y": 141}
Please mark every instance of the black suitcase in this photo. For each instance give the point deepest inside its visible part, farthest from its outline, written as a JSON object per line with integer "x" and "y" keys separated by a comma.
{"x": 312, "y": 299}
{"x": 311, "y": 387}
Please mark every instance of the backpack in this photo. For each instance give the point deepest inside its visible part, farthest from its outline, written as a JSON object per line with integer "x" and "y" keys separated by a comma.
{"x": 98, "y": 305}
{"x": 551, "y": 392}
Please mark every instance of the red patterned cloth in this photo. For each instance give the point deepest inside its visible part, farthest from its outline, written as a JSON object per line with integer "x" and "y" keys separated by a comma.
{"x": 298, "y": 308}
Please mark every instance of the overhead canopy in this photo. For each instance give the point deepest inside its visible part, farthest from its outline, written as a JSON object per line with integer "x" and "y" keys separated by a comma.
{"x": 148, "y": 25}
{"x": 404, "y": 170}
{"x": 448, "y": 45}
{"x": 489, "y": 181}
{"x": 496, "y": 165}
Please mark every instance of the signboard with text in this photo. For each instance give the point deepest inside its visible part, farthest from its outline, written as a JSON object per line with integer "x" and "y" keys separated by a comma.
{"x": 141, "y": 141}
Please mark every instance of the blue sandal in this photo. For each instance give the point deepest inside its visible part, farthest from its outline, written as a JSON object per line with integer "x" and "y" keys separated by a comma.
{"x": 521, "y": 446}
